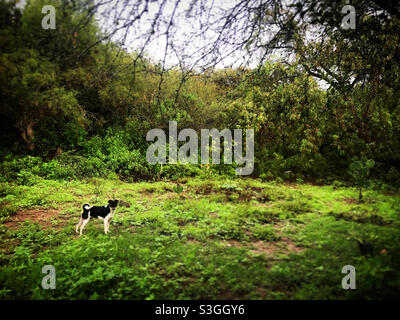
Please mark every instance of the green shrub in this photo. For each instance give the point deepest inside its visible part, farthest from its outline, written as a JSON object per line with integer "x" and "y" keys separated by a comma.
{"x": 359, "y": 172}
{"x": 265, "y": 232}
{"x": 27, "y": 178}
{"x": 176, "y": 171}
{"x": 177, "y": 189}
{"x": 21, "y": 169}
{"x": 267, "y": 176}
{"x": 337, "y": 184}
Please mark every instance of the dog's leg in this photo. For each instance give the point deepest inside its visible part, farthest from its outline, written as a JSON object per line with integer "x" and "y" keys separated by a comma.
{"x": 79, "y": 224}
{"x": 105, "y": 226}
{"x": 85, "y": 222}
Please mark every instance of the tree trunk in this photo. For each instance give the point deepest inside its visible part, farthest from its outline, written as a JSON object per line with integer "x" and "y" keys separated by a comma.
{"x": 28, "y": 135}
{"x": 360, "y": 195}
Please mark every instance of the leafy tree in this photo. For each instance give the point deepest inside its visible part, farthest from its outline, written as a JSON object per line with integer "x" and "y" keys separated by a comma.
{"x": 286, "y": 110}
{"x": 359, "y": 171}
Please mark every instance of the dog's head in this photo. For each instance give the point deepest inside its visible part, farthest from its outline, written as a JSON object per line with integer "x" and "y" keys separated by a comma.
{"x": 113, "y": 203}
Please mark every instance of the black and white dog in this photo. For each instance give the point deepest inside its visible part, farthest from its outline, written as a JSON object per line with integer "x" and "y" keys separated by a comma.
{"x": 105, "y": 213}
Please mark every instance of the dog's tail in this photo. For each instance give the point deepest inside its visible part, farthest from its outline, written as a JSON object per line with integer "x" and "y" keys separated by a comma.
{"x": 86, "y": 206}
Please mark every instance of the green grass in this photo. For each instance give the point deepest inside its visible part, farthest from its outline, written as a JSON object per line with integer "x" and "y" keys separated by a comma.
{"x": 218, "y": 239}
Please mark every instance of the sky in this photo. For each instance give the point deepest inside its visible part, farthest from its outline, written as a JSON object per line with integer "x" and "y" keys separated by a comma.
{"x": 184, "y": 32}
{"x": 188, "y": 34}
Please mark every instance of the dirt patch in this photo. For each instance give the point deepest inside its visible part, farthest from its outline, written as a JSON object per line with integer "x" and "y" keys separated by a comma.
{"x": 229, "y": 295}
{"x": 43, "y": 216}
{"x": 283, "y": 245}
{"x": 147, "y": 194}
{"x": 350, "y": 200}
{"x": 170, "y": 195}
{"x": 268, "y": 248}
{"x": 291, "y": 246}
{"x": 191, "y": 241}
{"x": 204, "y": 189}
{"x": 264, "y": 204}
{"x": 262, "y": 292}
{"x": 234, "y": 243}
{"x": 213, "y": 214}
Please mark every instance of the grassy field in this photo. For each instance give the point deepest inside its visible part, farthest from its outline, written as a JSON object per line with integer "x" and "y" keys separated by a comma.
{"x": 218, "y": 239}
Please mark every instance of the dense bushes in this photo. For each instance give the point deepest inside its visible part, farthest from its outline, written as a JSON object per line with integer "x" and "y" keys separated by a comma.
{"x": 110, "y": 157}
{"x": 117, "y": 154}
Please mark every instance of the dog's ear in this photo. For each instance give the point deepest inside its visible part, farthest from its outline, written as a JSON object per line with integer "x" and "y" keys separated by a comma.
{"x": 109, "y": 201}
{"x": 116, "y": 201}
